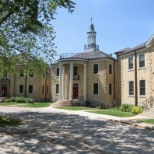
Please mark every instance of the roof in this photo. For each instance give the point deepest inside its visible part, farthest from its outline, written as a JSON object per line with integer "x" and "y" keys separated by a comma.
{"x": 90, "y": 55}
{"x": 127, "y": 50}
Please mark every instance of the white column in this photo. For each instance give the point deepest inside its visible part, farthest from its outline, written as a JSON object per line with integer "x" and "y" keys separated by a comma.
{"x": 63, "y": 82}
{"x": 71, "y": 82}
{"x": 85, "y": 82}
{"x": 60, "y": 82}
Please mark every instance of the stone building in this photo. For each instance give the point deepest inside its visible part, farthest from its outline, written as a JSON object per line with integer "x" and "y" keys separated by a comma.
{"x": 30, "y": 84}
{"x": 88, "y": 76}
{"x": 137, "y": 72}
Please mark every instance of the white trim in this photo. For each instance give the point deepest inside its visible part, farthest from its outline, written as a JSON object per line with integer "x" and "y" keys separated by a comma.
{"x": 93, "y": 89}
{"x": 33, "y": 88}
{"x": 93, "y": 68}
{"x": 109, "y": 68}
{"x": 133, "y": 63}
{"x": 133, "y": 88}
{"x": 111, "y": 89}
{"x": 56, "y": 72}
{"x": 139, "y": 88}
{"x": 139, "y": 61}
{"x": 19, "y": 89}
{"x": 148, "y": 43}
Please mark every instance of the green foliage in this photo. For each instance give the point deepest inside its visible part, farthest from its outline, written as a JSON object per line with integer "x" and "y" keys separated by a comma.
{"x": 136, "y": 110}
{"x": 26, "y": 30}
{"x": 7, "y": 121}
{"x": 126, "y": 107}
{"x": 19, "y": 100}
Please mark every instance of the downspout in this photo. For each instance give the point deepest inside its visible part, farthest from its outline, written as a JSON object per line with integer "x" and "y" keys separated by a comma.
{"x": 136, "y": 85}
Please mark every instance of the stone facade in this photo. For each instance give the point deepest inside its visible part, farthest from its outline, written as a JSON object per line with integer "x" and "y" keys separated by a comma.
{"x": 144, "y": 73}
{"x": 32, "y": 86}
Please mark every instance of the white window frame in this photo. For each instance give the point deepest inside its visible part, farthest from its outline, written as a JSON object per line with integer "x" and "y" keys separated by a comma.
{"x": 20, "y": 73}
{"x": 111, "y": 68}
{"x": 93, "y": 89}
{"x": 133, "y": 63}
{"x": 111, "y": 89}
{"x": 56, "y": 89}
{"x": 56, "y": 71}
{"x": 140, "y": 87}
{"x": 139, "y": 61}
{"x": 32, "y": 73}
{"x": 133, "y": 88}
{"x": 93, "y": 68}
{"x": 33, "y": 88}
{"x": 19, "y": 89}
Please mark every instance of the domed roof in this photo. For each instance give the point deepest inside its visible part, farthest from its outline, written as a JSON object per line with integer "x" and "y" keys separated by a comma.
{"x": 91, "y": 28}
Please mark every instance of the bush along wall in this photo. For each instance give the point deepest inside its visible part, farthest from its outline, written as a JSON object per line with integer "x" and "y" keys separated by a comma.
{"x": 19, "y": 100}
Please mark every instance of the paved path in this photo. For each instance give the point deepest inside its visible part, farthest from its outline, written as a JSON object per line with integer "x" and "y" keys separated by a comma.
{"x": 48, "y": 130}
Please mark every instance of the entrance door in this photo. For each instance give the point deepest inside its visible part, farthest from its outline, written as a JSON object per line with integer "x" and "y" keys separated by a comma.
{"x": 75, "y": 91}
{"x": 4, "y": 91}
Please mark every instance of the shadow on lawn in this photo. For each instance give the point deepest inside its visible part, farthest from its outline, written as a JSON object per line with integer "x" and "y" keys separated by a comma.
{"x": 60, "y": 133}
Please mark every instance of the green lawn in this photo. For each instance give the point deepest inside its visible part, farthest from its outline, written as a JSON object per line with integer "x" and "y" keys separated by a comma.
{"x": 113, "y": 113}
{"x": 148, "y": 121}
{"x": 98, "y": 111}
{"x": 75, "y": 108}
{"x": 7, "y": 121}
{"x": 32, "y": 105}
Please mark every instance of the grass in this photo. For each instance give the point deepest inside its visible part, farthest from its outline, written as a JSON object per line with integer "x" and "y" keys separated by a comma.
{"x": 75, "y": 108}
{"x": 7, "y": 121}
{"x": 148, "y": 121}
{"x": 31, "y": 105}
{"x": 113, "y": 113}
{"x": 98, "y": 111}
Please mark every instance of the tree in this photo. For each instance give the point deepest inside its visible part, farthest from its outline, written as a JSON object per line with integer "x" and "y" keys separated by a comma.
{"x": 26, "y": 32}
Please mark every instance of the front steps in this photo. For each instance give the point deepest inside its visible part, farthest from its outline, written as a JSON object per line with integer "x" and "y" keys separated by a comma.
{"x": 148, "y": 113}
{"x": 68, "y": 103}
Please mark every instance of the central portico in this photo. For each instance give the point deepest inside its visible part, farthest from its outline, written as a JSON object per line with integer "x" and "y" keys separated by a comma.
{"x": 74, "y": 79}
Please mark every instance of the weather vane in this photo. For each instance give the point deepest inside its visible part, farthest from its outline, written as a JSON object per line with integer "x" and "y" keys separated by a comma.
{"x": 91, "y": 19}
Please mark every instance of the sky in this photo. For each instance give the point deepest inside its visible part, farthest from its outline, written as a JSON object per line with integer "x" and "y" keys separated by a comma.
{"x": 118, "y": 23}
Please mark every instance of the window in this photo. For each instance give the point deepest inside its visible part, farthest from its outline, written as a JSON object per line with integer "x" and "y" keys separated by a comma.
{"x": 110, "y": 69}
{"x": 57, "y": 88}
{"x": 142, "y": 87}
{"x": 30, "y": 89}
{"x": 110, "y": 88}
{"x": 21, "y": 89}
{"x": 95, "y": 88}
{"x": 95, "y": 68}
{"x": 42, "y": 88}
{"x": 31, "y": 73}
{"x": 75, "y": 71}
{"x": 57, "y": 72}
{"x": 131, "y": 88}
{"x": 130, "y": 63}
{"x": 141, "y": 60}
{"x": 21, "y": 73}
{"x": 5, "y": 74}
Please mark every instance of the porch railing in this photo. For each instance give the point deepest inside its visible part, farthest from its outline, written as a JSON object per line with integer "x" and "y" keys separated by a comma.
{"x": 147, "y": 104}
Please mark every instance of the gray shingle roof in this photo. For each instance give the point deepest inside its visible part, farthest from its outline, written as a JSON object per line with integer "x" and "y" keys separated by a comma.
{"x": 127, "y": 50}
{"x": 91, "y": 55}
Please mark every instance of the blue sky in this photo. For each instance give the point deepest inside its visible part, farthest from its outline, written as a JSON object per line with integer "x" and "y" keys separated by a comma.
{"x": 118, "y": 23}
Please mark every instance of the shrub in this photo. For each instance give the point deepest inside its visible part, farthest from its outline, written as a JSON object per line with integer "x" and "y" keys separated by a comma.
{"x": 29, "y": 100}
{"x": 19, "y": 100}
{"x": 126, "y": 107}
{"x": 136, "y": 110}
{"x": 88, "y": 104}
